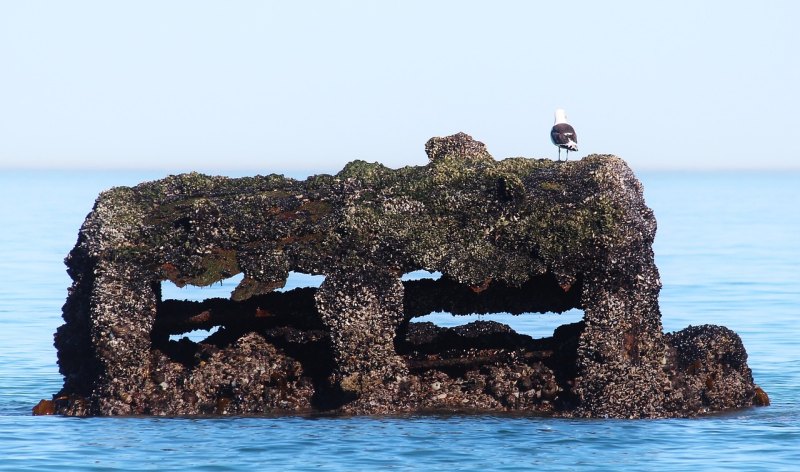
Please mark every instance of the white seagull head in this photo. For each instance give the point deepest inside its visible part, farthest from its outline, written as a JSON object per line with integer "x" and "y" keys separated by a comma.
{"x": 561, "y": 116}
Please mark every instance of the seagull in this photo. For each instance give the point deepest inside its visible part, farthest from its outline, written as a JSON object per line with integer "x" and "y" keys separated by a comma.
{"x": 563, "y": 134}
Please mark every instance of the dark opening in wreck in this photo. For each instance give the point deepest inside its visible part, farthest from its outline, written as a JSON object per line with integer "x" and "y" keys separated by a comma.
{"x": 289, "y": 320}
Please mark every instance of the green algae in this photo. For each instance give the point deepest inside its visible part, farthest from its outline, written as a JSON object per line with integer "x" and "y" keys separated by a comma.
{"x": 467, "y": 215}
{"x": 462, "y": 216}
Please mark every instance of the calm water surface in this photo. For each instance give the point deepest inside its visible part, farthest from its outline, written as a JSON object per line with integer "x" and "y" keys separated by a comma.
{"x": 728, "y": 248}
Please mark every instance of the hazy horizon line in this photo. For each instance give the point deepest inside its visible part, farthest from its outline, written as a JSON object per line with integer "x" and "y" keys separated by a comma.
{"x": 311, "y": 170}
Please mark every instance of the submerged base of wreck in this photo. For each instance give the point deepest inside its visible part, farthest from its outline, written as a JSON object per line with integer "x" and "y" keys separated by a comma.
{"x": 514, "y": 236}
{"x": 479, "y": 367}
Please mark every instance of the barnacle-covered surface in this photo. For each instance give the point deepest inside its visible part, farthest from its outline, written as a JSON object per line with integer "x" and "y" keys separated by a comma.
{"x": 517, "y": 235}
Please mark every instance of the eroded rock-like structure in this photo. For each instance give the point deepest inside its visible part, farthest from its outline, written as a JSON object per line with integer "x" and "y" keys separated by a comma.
{"x": 517, "y": 235}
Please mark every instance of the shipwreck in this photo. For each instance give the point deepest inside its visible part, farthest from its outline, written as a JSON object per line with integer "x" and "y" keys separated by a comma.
{"x": 516, "y": 235}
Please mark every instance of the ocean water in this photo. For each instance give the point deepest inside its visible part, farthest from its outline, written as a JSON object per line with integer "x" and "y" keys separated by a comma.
{"x": 727, "y": 247}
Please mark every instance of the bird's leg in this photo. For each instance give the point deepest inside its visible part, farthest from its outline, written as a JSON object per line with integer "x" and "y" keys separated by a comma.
{"x": 559, "y": 154}
{"x": 567, "y": 158}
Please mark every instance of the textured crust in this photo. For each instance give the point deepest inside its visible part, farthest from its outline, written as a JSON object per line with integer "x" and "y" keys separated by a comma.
{"x": 517, "y": 235}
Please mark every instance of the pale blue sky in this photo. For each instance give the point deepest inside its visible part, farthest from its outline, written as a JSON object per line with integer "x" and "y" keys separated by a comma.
{"x": 222, "y": 86}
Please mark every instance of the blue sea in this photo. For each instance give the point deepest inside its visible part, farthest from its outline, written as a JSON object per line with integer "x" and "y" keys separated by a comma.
{"x": 727, "y": 247}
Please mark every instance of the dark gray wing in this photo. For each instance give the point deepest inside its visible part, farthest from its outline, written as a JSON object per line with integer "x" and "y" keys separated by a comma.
{"x": 562, "y": 133}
